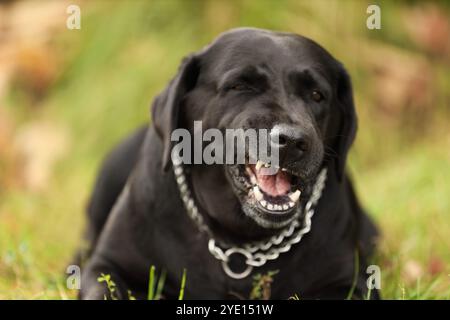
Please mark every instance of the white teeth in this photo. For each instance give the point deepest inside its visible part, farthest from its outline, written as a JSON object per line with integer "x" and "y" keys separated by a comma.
{"x": 258, "y": 195}
{"x": 276, "y": 207}
{"x": 251, "y": 175}
{"x": 283, "y": 169}
{"x": 259, "y": 164}
{"x": 295, "y": 196}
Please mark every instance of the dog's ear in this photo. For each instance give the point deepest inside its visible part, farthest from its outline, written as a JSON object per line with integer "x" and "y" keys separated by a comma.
{"x": 348, "y": 121}
{"x": 166, "y": 106}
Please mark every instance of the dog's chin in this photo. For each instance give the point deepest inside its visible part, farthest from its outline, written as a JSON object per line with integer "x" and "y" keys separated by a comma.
{"x": 271, "y": 200}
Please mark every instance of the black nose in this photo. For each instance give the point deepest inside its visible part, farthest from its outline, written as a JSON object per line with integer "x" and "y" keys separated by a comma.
{"x": 293, "y": 142}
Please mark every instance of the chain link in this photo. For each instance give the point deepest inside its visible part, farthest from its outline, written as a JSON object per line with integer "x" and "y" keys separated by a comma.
{"x": 256, "y": 254}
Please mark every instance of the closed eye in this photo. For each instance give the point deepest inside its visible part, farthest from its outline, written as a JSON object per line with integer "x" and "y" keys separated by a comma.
{"x": 248, "y": 79}
{"x": 239, "y": 87}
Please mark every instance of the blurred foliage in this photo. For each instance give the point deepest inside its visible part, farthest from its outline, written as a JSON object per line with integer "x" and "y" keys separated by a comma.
{"x": 67, "y": 96}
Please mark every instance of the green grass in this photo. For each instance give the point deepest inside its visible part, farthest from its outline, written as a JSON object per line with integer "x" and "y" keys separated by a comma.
{"x": 156, "y": 284}
{"x": 355, "y": 276}
{"x": 183, "y": 285}
{"x": 125, "y": 54}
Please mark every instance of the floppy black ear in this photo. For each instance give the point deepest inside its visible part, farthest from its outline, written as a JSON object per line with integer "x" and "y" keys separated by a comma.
{"x": 166, "y": 106}
{"x": 348, "y": 121}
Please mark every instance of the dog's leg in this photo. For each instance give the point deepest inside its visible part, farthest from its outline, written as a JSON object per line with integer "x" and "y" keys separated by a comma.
{"x": 102, "y": 281}
{"x": 112, "y": 178}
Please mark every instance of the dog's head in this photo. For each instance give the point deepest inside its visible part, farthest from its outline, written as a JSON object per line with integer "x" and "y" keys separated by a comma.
{"x": 252, "y": 78}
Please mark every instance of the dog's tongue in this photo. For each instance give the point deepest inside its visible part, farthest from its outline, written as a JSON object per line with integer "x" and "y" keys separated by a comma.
{"x": 276, "y": 184}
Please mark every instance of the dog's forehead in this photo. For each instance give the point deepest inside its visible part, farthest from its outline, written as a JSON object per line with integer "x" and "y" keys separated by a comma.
{"x": 257, "y": 46}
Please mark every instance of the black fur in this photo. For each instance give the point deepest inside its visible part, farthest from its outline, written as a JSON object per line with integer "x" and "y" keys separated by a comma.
{"x": 147, "y": 224}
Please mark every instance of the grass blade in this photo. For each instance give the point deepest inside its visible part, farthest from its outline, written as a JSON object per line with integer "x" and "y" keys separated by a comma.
{"x": 160, "y": 285}
{"x": 355, "y": 276}
{"x": 151, "y": 284}
{"x": 183, "y": 283}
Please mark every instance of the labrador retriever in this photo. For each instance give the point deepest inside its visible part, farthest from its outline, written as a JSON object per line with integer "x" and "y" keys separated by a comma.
{"x": 226, "y": 223}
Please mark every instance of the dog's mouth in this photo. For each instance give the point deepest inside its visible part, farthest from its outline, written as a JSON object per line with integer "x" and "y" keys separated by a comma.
{"x": 276, "y": 192}
{"x": 271, "y": 196}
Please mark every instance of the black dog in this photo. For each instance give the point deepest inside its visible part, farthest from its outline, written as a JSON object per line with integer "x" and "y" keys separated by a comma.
{"x": 247, "y": 78}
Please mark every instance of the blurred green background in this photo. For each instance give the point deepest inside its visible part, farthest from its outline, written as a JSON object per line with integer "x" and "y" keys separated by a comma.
{"x": 67, "y": 96}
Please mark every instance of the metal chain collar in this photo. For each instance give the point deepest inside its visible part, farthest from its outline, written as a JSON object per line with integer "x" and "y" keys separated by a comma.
{"x": 256, "y": 254}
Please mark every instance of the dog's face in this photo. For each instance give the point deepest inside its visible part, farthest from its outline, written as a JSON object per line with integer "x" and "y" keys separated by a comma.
{"x": 257, "y": 79}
